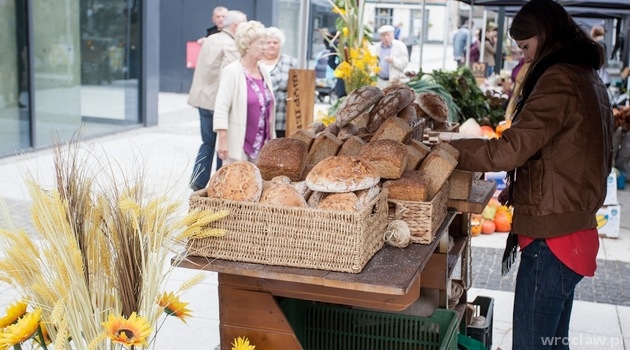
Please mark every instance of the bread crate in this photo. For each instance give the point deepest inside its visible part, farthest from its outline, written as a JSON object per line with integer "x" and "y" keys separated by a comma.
{"x": 336, "y": 327}
{"x": 423, "y": 218}
{"x": 289, "y": 236}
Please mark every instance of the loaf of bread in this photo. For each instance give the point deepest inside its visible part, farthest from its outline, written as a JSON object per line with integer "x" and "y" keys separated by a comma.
{"x": 448, "y": 148}
{"x": 351, "y": 147}
{"x": 357, "y": 102}
{"x": 324, "y": 146}
{"x": 421, "y": 147}
{"x": 347, "y": 131}
{"x": 342, "y": 174}
{"x": 333, "y": 128}
{"x": 395, "y": 129}
{"x": 316, "y": 127}
{"x": 275, "y": 181}
{"x": 302, "y": 188}
{"x": 439, "y": 166}
{"x": 412, "y": 186}
{"x": 388, "y": 157}
{"x": 284, "y": 195}
{"x": 389, "y": 106}
{"x": 460, "y": 184}
{"x": 315, "y": 197}
{"x": 408, "y": 114}
{"x": 283, "y": 156}
{"x": 434, "y": 105}
{"x": 238, "y": 181}
{"x": 365, "y": 197}
{"x": 339, "y": 202}
{"x": 305, "y": 136}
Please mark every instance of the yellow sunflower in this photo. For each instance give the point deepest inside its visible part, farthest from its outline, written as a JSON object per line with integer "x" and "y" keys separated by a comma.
{"x": 173, "y": 306}
{"x": 130, "y": 332}
{"x": 242, "y": 344}
{"x": 14, "y": 311}
{"x": 21, "y": 331}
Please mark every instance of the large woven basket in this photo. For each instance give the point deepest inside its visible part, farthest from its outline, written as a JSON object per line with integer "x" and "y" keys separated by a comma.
{"x": 295, "y": 237}
{"x": 423, "y": 218}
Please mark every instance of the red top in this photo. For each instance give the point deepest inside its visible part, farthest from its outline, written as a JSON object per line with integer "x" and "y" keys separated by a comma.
{"x": 577, "y": 250}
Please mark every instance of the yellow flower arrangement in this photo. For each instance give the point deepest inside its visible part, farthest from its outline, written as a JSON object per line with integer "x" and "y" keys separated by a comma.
{"x": 358, "y": 66}
{"x": 95, "y": 270}
{"x": 242, "y": 344}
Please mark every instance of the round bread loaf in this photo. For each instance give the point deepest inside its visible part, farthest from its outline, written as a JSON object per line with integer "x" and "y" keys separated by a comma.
{"x": 389, "y": 106}
{"x": 339, "y": 201}
{"x": 434, "y": 105}
{"x": 316, "y": 127}
{"x": 397, "y": 86}
{"x": 238, "y": 181}
{"x": 283, "y": 194}
{"x": 341, "y": 174}
{"x": 356, "y": 102}
{"x": 409, "y": 114}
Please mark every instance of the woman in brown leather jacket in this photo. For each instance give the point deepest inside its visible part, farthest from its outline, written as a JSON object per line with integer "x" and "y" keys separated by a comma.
{"x": 558, "y": 154}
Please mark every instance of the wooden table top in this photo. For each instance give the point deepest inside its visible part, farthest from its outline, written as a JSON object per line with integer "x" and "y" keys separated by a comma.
{"x": 390, "y": 271}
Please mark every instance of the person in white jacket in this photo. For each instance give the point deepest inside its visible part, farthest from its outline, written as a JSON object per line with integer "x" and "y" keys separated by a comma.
{"x": 244, "y": 114}
{"x": 393, "y": 57}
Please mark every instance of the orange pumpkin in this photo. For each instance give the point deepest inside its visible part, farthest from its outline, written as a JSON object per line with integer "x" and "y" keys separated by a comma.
{"x": 503, "y": 221}
{"x": 475, "y": 230}
{"x": 475, "y": 224}
{"x": 488, "y": 132}
{"x": 504, "y": 125}
{"x": 488, "y": 227}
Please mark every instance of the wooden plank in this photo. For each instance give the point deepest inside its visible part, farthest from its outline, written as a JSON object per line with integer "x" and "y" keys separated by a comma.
{"x": 300, "y": 99}
{"x": 371, "y": 300}
{"x": 480, "y": 195}
{"x": 391, "y": 270}
{"x": 254, "y": 315}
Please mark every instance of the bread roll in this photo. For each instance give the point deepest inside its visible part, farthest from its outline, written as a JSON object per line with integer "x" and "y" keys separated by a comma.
{"x": 238, "y": 181}
{"x": 341, "y": 174}
{"x": 357, "y": 102}
{"x": 283, "y": 194}
{"x": 412, "y": 186}
{"x": 434, "y": 105}
{"x": 388, "y": 157}
{"x": 283, "y": 156}
{"x": 339, "y": 201}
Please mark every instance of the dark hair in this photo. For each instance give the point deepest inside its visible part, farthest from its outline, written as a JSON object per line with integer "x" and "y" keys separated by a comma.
{"x": 548, "y": 21}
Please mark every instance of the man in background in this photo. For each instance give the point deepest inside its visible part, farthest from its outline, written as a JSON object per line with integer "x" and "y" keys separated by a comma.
{"x": 217, "y": 51}
{"x": 393, "y": 58}
{"x": 218, "y": 16}
{"x": 461, "y": 42}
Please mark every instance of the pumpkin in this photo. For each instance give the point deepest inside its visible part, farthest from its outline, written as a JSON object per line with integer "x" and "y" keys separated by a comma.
{"x": 475, "y": 224}
{"x": 475, "y": 230}
{"x": 488, "y": 227}
{"x": 503, "y": 125}
{"x": 503, "y": 221}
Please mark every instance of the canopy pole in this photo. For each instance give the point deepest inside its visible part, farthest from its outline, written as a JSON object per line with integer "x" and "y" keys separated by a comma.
{"x": 422, "y": 31}
{"x": 470, "y": 32}
{"x": 447, "y": 20}
{"x": 498, "y": 56}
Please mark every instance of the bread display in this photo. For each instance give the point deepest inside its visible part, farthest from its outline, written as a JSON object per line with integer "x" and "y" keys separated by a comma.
{"x": 357, "y": 102}
{"x": 434, "y": 105}
{"x": 284, "y": 195}
{"x": 411, "y": 186}
{"x": 339, "y": 201}
{"x": 283, "y": 156}
{"x": 342, "y": 174}
{"x": 438, "y": 165}
{"x": 238, "y": 181}
{"x": 388, "y": 157}
{"x": 395, "y": 129}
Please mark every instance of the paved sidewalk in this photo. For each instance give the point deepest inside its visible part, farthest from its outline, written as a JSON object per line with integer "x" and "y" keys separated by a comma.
{"x": 601, "y": 313}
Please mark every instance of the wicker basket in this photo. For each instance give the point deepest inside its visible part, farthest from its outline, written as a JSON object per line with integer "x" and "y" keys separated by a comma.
{"x": 423, "y": 218}
{"x": 295, "y": 237}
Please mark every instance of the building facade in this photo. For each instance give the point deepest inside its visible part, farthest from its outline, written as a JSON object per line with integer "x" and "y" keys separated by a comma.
{"x": 71, "y": 64}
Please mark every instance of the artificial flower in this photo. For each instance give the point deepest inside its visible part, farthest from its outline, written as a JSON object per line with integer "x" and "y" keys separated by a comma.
{"x": 242, "y": 344}
{"x": 21, "y": 331}
{"x": 14, "y": 311}
{"x": 132, "y": 331}
{"x": 173, "y": 306}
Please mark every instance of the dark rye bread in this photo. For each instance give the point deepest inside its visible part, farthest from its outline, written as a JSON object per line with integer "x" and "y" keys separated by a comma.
{"x": 283, "y": 156}
{"x": 357, "y": 102}
{"x": 389, "y": 106}
{"x": 388, "y": 157}
{"x": 351, "y": 147}
{"x": 434, "y": 105}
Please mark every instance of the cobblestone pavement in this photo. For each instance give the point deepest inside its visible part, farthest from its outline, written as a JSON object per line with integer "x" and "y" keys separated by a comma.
{"x": 609, "y": 285}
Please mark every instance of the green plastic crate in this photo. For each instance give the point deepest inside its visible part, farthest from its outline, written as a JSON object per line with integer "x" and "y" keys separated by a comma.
{"x": 321, "y": 326}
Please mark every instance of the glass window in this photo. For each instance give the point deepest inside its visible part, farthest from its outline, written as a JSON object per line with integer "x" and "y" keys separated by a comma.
{"x": 383, "y": 16}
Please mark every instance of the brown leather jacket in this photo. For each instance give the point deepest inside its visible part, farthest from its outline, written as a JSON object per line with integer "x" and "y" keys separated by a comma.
{"x": 561, "y": 146}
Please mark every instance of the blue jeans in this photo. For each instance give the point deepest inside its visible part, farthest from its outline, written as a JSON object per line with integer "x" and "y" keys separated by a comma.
{"x": 542, "y": 300}
{"x": 203, "y": 164}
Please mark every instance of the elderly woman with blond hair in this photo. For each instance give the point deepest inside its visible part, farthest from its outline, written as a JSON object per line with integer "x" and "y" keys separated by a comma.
{"x": 278, "y": 65}
{"x": 244, "y": 113}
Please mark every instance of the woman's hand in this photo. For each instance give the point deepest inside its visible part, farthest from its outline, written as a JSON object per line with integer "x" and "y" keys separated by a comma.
{"x": 222, "y": 149}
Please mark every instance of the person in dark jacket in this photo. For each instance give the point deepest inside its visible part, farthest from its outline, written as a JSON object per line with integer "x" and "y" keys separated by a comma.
{"x": 558, "y": 154}
{"x": 218, "y": 16}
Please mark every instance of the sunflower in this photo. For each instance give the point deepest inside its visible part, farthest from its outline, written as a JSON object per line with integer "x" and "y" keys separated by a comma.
{"x": 21, "y": 331}
{"x": 131, "y": 332}
{"x": 173, "y": 306}
{"x": 242, "y": 344}
{"x": 14, "y": 311}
